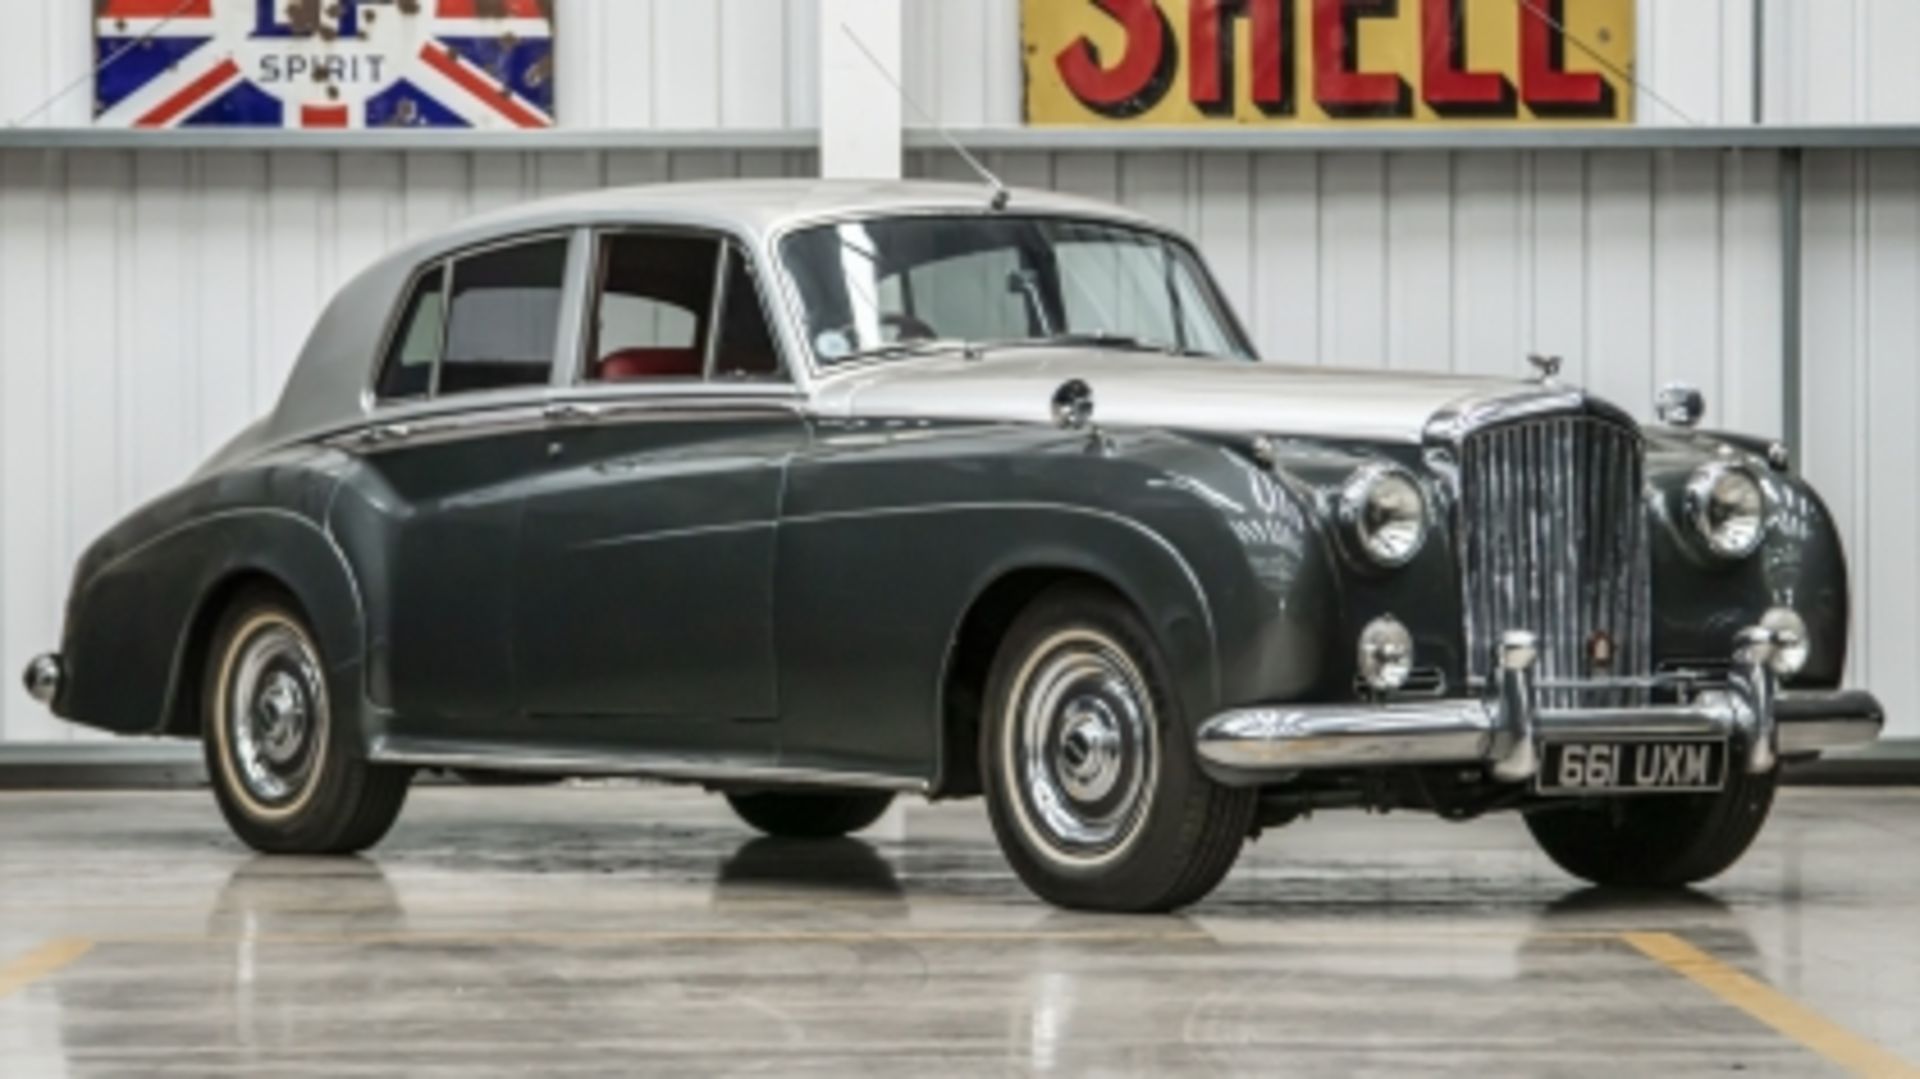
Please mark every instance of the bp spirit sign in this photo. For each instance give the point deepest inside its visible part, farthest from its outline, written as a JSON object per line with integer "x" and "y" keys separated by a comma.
{"x": 1328, "y": 61}
{"x": 331, "y": 64}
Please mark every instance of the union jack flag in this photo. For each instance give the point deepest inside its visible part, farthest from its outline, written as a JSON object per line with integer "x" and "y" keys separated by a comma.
{"x": 323, "y": 63}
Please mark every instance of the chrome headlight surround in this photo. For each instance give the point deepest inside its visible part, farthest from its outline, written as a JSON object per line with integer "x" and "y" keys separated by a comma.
{"x": 1728, "y": 506}
{"x": 1384, "y": 513}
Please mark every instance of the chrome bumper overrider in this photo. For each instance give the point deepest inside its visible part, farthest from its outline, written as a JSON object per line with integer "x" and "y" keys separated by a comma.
{"x": 1504, "y": 730}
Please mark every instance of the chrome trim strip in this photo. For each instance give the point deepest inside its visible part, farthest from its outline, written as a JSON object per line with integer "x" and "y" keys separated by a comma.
{"x": 579, "y": 282}
{"x": 420, "y": 753}
{"x": 716, "y": 310}
{"x": 674, "y": 534}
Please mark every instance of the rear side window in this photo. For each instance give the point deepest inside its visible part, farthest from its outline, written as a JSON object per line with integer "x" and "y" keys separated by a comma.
{"x": 503, "y": 317}
{"x": 408, "y": 370}
{"x": 479, "y": 322}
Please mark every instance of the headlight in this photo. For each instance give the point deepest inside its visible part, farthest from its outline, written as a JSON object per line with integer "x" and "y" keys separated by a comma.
{"x": 1728, "y": 507}
{"x": 1385, "y": 513}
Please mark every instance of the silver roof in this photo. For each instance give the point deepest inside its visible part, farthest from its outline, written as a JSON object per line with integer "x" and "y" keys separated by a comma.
{"x": 755, "y": 209}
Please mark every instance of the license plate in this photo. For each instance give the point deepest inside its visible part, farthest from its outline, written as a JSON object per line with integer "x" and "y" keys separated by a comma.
{"x": 1604, "y": 766}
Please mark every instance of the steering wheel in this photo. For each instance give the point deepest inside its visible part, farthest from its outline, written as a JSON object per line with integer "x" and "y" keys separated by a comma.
{"x": 907, "y": 327}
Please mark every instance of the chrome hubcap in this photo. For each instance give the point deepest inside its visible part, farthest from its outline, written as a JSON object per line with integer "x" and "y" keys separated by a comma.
{"x": 1084, "y": 748}
{"x": 275, "y": 710}
{"x": 280, "y": 718}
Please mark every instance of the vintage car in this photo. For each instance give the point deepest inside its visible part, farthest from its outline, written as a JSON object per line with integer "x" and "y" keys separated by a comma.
{"x": 814, "y": 492}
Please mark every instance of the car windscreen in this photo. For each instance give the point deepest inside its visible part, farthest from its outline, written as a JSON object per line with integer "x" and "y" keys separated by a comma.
{"x": 882, "y": 286}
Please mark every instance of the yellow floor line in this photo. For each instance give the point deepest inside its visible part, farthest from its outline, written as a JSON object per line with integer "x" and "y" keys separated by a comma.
{"x": 47, "y": 959}
{"x": 1772, "y": 1007}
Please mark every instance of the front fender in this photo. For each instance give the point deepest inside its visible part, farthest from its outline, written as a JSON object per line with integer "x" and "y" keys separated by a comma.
{"x": 1701, "y": 601}
{"x": 887, "y": 541}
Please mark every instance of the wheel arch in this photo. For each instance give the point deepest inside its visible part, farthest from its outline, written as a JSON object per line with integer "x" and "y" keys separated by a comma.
{"x": 133, "y": 681}
{"x": 974, "y": 644}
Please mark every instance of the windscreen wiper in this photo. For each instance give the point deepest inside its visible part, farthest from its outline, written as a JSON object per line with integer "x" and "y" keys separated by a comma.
{"x": 1096, "y": 339}
{"x": 899, "y": 349}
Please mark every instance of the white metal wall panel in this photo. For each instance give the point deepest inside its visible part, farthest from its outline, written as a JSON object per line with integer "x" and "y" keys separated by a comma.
{"x": 1861, "y": 388}
{"x": 151, "y": 302}
{"x": 619, "y": 63}
{"x": 1841, "y": 61}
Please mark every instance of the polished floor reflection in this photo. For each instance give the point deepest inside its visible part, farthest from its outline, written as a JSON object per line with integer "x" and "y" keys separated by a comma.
{"x": 628, "y": 930}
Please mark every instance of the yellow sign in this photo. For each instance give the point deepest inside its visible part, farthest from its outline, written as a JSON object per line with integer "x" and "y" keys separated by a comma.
{"x": 1328, "y": 61}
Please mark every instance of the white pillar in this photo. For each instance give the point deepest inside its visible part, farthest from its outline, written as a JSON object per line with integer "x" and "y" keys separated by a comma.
{"x": 860, "y": 110}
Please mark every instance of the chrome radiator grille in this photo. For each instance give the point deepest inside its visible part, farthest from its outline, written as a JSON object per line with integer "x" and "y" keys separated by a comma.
{"x": 1553, "y": 539}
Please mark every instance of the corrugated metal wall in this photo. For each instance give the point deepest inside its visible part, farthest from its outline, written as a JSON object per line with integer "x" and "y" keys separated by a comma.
{"x": 1861, "y": 388}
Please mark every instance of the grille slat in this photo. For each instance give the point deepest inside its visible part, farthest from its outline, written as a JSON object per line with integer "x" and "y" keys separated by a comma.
{"x": 1553, "y": 540}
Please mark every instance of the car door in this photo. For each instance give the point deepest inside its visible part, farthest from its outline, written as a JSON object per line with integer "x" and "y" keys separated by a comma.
{"x": 458, "y": 429}
{"x": 646, "y": 549}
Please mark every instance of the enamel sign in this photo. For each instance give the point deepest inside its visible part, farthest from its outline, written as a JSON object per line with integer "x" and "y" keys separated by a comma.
{"x": 337, "y": 64}
{"x": 1190, "y": 62}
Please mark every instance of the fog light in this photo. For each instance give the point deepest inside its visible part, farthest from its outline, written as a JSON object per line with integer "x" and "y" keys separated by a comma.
{"x": 1790, "y": 644}
{"x": 1386, "y": 654}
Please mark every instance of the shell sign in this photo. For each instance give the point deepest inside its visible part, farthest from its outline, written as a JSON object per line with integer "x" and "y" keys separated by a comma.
{"x": 1328, "y": 61}
{"x": 331, "y": 64}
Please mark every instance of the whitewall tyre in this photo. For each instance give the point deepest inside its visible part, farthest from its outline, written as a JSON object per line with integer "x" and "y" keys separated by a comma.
{"x": 288, "y": 775}
{"x": 1091, "y": 781}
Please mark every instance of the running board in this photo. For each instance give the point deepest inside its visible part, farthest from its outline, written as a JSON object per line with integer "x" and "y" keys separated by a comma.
{"x": 430, "y": 753}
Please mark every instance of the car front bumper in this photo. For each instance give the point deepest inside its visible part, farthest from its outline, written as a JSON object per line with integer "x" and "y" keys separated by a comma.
{"x": 1504, "y": 731}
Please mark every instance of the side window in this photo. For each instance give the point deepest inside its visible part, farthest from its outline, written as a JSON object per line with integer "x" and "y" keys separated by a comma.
{"x": 408, "y": 368}
{"x": 746, "y": 349}
{"x": 503, "y": 317}
{"x": 656, "y": 298}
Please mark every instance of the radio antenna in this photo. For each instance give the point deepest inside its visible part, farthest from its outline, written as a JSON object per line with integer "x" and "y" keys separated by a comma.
{"x": 1001, "y": 195}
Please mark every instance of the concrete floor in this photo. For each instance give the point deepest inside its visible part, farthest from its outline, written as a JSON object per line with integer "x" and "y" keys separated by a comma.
{"x": 626, "y": 929}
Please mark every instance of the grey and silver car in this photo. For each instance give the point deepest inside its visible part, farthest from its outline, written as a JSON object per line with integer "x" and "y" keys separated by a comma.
{"x": 817, "y": 493}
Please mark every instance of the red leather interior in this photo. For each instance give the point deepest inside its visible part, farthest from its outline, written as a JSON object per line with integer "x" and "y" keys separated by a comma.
{"x": 634, "y": 363}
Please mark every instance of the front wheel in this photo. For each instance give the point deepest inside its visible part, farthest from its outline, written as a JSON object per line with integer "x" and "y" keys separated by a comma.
{"x": 1089, "y": 767}
{"x": 1656, "y": 841}
{"x": 288, "y": 777}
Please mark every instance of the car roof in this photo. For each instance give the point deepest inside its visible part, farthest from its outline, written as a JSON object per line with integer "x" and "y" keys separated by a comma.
{"x": 753, "y": 209}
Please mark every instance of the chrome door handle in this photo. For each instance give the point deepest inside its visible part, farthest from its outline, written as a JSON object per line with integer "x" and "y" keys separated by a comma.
{"x": 572, "y": 412}
{"x": 382, "y": 434}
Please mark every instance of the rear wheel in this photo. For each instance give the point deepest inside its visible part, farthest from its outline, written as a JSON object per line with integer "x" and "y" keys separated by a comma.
{"x": 1656, "y": 841}
{"x": 288, "y": 777}
{"x": 1089, "y": 766}
{"x": 810, "y": 814}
